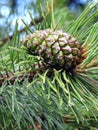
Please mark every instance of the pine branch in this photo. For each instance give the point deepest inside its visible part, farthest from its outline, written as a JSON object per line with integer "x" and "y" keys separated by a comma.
{"x": 11, "y": 78}
{"x": 65, "y": 98}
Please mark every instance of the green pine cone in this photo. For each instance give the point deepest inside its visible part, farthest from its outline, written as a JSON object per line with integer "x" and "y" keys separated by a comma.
{"x": 56, "y": 49}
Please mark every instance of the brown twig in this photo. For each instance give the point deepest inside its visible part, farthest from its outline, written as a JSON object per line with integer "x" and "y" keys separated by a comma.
{"x": 36, "y": 21}
{"x": 11, "y": 78}
{"x": 39, "y": 127}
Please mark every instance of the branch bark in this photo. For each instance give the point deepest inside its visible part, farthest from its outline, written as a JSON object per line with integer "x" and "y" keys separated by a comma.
{"x": 36, "y": 21}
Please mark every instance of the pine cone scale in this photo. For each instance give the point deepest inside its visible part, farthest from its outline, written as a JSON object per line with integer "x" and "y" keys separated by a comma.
{"x": 56, "y": 48}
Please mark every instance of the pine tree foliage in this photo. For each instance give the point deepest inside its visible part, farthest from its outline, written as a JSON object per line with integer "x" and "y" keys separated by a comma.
{"x": 55, "y": 99}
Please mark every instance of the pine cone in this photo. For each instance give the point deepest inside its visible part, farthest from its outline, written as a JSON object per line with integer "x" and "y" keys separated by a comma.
{"x": 56, "y": 49}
